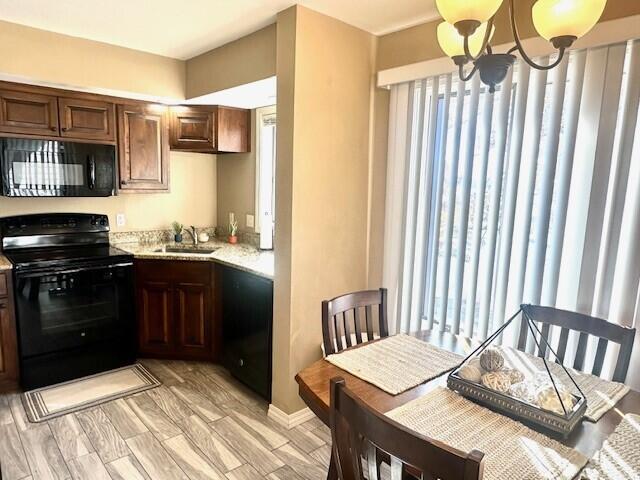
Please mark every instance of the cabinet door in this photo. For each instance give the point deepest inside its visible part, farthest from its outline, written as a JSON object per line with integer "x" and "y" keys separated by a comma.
{"x": 233, "y": 130}
{"x": 155, "y": 317}
{"x": 143, "y": 144}
{"x": 87, "y": 119}
{"x": 28, "y": 113}
{"x": 8, "y": 340}
{"x": 192, "y": 129}
{"x": 193, "y": 316}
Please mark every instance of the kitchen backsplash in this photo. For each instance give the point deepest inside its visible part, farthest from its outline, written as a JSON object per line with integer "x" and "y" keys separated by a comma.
{"x": 166, "y": 236}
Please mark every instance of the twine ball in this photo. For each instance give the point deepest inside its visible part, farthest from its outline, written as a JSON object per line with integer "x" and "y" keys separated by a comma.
{"x": 471, "y": 372}
{"x": 515, "y": 375}
{"x": 491, "y": 360}
{"x": 525, "y": 391}
{"x": 498, "y": 381}
{"x": 547, "y": 398}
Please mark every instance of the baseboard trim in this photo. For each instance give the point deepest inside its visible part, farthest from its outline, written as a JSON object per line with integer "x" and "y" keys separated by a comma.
{"x": 289, "y": 420}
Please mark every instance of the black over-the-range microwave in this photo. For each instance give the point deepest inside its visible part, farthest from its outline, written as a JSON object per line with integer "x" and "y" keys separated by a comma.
{"x": 53, "y": 168}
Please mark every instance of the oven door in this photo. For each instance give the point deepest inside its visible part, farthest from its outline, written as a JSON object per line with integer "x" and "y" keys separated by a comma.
{"x": 75, "y": 307}
{"x": 51, "y": 168}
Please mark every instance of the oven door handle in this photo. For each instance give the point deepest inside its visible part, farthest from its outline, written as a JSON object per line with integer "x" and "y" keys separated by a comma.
{"x": 44, "y": 273}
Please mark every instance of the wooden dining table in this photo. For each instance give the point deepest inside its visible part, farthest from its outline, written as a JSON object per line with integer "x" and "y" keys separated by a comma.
{"x": 313, "y": 386}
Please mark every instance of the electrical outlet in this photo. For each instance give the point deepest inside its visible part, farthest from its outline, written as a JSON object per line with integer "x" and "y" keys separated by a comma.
{"x": 121, "y": 220}
{"x": 250, "y": 221}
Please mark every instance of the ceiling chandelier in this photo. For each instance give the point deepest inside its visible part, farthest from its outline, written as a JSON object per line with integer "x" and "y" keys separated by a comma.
{"x": 468, "y": 28}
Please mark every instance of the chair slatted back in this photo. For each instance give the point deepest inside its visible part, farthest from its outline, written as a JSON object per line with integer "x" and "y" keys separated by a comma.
{"x": 586, "y": 326}
{"x": 361, "y": 435}
{"x": 352, "y": 315}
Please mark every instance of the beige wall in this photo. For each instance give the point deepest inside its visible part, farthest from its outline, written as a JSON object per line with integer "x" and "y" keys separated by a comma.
{"x": 237, "y": 183}
{"x": 192, "y": 199}
{"x": 420, "y": 43}
{"x": 242, "y": 61}
{"x": 41, "y": 56}
{"x": 322, "y": 182}
{"x": 48, "y": 57}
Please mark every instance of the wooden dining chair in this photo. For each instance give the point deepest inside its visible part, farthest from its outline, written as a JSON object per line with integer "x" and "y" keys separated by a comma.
{"x": 342, "y": 324}
{"x": 586, "y": 326}
{"x": 362, "y": 435}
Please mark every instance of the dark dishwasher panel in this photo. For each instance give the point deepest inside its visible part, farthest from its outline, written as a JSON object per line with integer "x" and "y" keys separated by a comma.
{"x": 247, "y": 317}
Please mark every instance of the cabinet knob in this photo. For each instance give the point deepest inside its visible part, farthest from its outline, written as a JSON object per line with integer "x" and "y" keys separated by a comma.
{"x": 54, "y": 129}
{"x": 241, "y": 362}
{"x": 64, "y": 129}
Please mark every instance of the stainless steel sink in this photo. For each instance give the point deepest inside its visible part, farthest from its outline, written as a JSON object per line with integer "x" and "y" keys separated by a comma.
{"x": 193, "y": 250}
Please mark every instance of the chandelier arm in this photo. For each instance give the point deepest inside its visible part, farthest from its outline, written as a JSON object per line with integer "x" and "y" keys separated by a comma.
{"x": 520, "y": 48}
{"x": 471, "y": 73}
{"x": 485, "y": 42}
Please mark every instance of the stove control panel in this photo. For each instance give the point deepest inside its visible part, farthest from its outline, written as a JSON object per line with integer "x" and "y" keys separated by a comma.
{"x": 53, "y": 225}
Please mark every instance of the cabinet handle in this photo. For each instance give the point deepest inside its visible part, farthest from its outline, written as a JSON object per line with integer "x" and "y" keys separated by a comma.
{"x": 241, "y": 362}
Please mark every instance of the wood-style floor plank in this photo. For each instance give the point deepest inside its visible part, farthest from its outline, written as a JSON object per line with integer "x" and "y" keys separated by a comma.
{"x": 43, "y": 455}
{"x": 127, "y": 468}
{"x": 284, "y": 473}
{"x": 19, "y": 414}
{"x": 322, "y": 455}
{"x": 191, "y": 460}
{"x": 161, "y": 370}
{"x": 175, "y": 408}
{"x": 124, "y": 419}
{"x": 268, "y": 432}
{"x": 153, "y": 417}
{"x": 245, "y": 472}
{"x": 88, "y": 467}
{"x": 207, "y": 387}
{"x": 103, "y": 435}
{"x": 211, "y": 444}
{"x": 247, "y": 445}
{"x": 71, "y": 438}
{"x": 5, "y": 411}
{"x": 300, "y": 462}
{"x": 154, "y": 459}
{"x": 13, "y": 461}
{"x": 304, "y": 439}
{"x": 198, "y": 402}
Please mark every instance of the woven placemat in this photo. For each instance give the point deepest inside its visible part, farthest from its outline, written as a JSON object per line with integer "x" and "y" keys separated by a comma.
{"x": 619, "y": 458}
{"x": 601, "y": 394}
{"x": 512, "y": 450}
{"x": 396, "y": 364}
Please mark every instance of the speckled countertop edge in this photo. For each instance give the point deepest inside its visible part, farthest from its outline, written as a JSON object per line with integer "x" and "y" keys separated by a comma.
{"x": 240, "y": 256}
{"x": 5, "y": 264}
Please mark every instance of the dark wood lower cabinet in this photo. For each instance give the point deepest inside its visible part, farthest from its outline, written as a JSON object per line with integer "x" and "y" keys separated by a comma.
{"x": 8, "y": 341}
{"x": 175, "y": 309}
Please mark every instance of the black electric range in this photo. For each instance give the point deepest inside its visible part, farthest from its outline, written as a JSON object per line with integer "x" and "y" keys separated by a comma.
{"x": 73, "y": 296}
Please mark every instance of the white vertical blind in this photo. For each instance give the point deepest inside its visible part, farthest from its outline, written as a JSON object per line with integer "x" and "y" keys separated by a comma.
{"x": 526, "y": 195}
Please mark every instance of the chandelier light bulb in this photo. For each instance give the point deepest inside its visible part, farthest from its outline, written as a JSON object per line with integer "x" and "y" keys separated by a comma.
{"x": 554, "y": 19}
{"x": 452, "y": 43}
{"x": 475, "y": 11}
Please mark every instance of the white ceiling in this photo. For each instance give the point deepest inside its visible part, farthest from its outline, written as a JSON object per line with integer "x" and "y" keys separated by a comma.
{"x": 183, "y": 29}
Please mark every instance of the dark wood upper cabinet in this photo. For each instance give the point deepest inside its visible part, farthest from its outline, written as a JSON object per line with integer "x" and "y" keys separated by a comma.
{"x": 192, "y": 129}
{"x": 28, "y": 113}
{"x": 210, "y": 129}
{"x": 234, "y": 130}
{"x": 143, "y": 147}
{"x": 87, "y": 119}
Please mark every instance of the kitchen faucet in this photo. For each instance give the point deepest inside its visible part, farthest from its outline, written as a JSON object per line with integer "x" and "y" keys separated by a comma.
{"x": 194, "y": 234}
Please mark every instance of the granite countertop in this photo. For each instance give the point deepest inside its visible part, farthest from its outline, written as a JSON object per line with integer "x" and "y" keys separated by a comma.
{"x": 4, "y": 263}
{"x": 241, "y": 256}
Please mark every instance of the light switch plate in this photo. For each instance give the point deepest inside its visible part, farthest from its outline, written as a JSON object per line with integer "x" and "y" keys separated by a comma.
{"x": 121, "y": 220}
{"x": 250, "y": 221}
